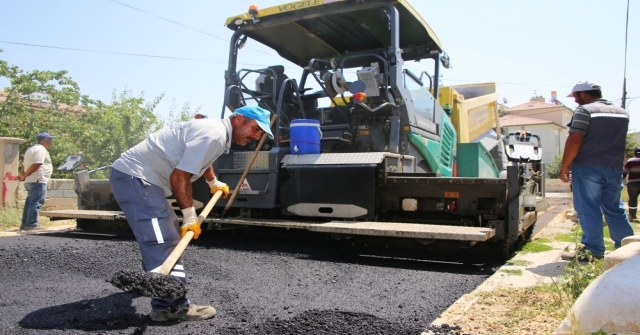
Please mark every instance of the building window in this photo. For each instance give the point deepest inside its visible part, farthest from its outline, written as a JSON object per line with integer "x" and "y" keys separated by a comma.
{"x": 557, "y": 137}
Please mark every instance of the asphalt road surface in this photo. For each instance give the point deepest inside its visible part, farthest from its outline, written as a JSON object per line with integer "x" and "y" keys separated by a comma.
{"x": 56, "y": 284}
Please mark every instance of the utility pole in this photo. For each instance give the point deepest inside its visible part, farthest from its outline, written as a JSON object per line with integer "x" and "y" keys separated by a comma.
{"x": 624, "y": 82}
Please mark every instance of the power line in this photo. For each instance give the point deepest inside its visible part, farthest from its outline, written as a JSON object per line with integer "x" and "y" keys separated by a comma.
{"x": 111, "y": 52}
{"x": 184, "y": 25}
{"x": 124, "y": 53}
{"x": 169, "y": 20}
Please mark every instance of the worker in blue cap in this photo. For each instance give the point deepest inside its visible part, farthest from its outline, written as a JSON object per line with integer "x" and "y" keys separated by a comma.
{"x": 166, "y": 163}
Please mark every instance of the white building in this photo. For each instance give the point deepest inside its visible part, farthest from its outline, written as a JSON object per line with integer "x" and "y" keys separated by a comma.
{"x": 548, "y": 120}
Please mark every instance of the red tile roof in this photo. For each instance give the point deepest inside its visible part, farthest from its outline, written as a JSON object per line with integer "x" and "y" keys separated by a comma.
{"x": 517, "y": 120}
{"x": 532, "y": 105}
{"x": 44, "y": 105}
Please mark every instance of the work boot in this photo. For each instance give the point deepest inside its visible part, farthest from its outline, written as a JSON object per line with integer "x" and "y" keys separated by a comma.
{"x": 185, "y": 313}
{"x": 31, "y": 228}
{"x": 581, "y": 255}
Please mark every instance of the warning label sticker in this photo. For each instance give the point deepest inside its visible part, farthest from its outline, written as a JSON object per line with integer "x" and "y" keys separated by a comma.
{"x": 245, "y": 186}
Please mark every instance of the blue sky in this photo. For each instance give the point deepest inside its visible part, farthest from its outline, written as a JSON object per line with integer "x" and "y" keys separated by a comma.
{"x": 527, "y": 47}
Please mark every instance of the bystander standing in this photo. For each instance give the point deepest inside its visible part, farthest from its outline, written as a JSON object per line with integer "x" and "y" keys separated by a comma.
{"x": 632, "y": 175}
{"x": 36, "y": 171}
{"x": 594, "y": 156}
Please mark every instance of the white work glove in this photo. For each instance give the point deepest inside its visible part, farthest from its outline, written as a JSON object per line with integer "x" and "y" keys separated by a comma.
{"x": 216, "y": 185}
{"x": 190, "y": 222}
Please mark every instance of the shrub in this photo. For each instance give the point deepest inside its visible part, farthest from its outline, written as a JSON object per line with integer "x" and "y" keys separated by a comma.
{"x": 553, "y": 168}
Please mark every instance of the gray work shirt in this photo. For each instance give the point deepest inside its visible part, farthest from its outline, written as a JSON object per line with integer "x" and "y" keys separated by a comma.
{"x": 190, "y": 146}
{"x": 604, "y": 126}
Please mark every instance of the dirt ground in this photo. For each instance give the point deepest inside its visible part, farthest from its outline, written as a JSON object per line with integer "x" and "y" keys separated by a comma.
{"x": 517, "y": 299}
{"x": 46, "y": 224}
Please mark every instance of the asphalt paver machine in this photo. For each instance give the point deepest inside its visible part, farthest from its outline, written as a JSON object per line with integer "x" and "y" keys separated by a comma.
{"x": 367, "y": 149}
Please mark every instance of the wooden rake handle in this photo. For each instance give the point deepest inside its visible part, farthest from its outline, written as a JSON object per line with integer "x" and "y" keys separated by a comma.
{"x": 168, "y": 264}
{"x": 246, "y": 169}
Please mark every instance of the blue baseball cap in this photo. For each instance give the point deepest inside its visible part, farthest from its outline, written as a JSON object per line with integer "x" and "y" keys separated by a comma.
{"x": 43, "y": 135}
{"x": 262, "y": 116}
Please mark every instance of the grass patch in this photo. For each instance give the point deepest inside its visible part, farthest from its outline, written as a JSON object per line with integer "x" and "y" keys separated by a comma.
{"x": 536, "y": 246}
{"x": 565, "y": 237}
{"x": 543, "y": 240}
{"x": 636, "y": 226}
{"x": 512, "y": 272}
{"x": 578, "y": 276}
{"x": 10, "y": 218}
{"x": 573, "y": 235}
{"x": 518, "y": 262}
{"x": 609, "y": 245}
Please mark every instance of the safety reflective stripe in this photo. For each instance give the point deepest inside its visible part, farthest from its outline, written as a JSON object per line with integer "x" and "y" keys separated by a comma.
{"x": 609, "y": 115}
{"x": 178, "y": 271}
{"x": 157, "y": 231}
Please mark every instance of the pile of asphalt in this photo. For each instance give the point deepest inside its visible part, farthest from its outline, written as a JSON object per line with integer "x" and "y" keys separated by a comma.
{"x": 149, "y": 284}
{"x": 58, "y": 285}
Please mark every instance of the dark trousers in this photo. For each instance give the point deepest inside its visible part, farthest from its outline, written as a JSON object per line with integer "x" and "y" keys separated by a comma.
{"x": 154, "y": 224}
{"x": 633, "y": 189}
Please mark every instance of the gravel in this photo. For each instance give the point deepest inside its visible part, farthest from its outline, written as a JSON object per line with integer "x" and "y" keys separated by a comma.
{"x": 57, "y": 284}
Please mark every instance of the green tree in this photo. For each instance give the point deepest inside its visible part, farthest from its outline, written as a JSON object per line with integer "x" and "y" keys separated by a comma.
{"x": 107, "y": 130}
{"x": 184, "y": 114}
{"x": 631, "y": 145}
{"x": 37, "y": 101}
{"x": 50, "y": 101}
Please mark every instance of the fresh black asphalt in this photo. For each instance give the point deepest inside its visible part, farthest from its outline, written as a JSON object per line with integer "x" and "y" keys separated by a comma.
{"x": 57, "y": 284}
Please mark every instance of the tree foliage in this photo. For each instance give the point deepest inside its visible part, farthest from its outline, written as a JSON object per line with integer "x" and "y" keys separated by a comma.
{"x": 631, "y": 145}
{"x": 50, "y": 101}
{"x": 107, "y": 130}
{"x": 553, "y": 167}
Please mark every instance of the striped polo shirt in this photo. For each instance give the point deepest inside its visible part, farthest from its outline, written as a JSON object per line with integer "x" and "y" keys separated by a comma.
{"x": 604, "y": 126}
{"x": 632, "y": 168}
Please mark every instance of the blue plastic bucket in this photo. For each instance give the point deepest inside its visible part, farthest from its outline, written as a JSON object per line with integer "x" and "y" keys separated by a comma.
{"x": 305, "y": 136}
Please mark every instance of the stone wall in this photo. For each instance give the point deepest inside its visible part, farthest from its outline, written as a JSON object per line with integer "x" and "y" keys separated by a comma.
{"x": 60, "y": 195}
{"x": 556, "y": 186}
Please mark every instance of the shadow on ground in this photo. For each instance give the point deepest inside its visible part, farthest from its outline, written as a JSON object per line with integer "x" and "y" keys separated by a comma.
{"x": 113, "y": 312}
